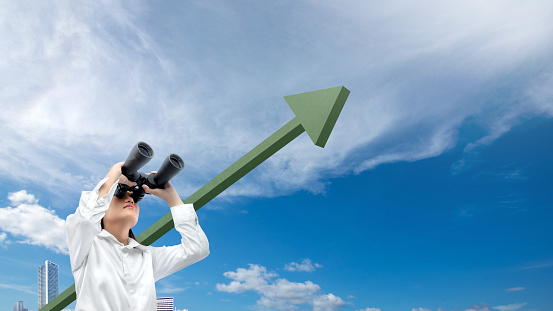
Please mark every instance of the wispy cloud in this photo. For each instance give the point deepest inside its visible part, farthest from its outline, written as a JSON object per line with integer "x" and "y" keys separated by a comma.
{"x": 36, "y": 225}
{"x": 539, "y": 265}
{"x": 166, "y": 286}
{"x": 4, "y": 242}
{"x": 22, "y": 288}
{"x": 515, "y": 289}
{"x": 83, "y": 82}
{"x": 171, "y": 289}
{"x": 279, "y": 294}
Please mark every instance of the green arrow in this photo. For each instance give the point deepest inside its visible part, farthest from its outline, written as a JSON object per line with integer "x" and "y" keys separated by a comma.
{"x": 316, "y": 113}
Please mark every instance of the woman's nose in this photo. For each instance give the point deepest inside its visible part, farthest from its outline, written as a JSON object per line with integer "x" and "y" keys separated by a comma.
{"x": 128, "y": 198}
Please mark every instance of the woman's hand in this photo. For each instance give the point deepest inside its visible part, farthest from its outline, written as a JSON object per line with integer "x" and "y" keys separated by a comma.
{"x": 167, "y": 194}
{"x": 115, "y": 173}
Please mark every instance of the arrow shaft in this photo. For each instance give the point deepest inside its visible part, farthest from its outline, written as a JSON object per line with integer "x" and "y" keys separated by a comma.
{"x": 225, "y": 179}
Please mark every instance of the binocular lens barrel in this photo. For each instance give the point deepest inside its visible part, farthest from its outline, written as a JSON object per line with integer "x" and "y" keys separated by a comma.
{"x": 145, "y": 150}
{"x": 172, "y": 165}
{"x": 140, "y": 154}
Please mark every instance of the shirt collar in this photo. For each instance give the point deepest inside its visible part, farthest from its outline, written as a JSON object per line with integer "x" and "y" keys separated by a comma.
{"x": 132, "y": 243}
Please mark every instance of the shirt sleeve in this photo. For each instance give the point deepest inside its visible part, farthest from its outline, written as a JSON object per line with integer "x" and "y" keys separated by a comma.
{"x": 194, "y": 245}
{"x": 84, "y": 225}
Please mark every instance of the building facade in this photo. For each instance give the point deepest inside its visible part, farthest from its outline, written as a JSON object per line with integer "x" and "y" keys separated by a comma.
{"x": 18, "y": 306}
{"x": 47, "y": 283}
{"x": 165, "y": 304}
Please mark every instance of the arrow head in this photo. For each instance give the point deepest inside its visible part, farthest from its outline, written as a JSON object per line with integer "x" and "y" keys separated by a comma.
{"x": 318, "y": 111}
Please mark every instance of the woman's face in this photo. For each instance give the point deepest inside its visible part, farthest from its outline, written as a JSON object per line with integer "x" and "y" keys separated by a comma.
{"x": 122, "y": 211}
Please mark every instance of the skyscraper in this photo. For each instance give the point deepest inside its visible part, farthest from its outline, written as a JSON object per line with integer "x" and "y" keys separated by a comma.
{"x": 47, "y": 283}
{"x": 18, "y": 306}
{"x": 165, "y": 304}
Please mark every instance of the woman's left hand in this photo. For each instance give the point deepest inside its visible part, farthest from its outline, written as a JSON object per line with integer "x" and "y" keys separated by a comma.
{"x": 167, "y": 194}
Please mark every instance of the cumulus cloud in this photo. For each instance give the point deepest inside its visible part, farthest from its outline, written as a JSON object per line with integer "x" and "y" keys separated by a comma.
{"x": 420, "y": 309}
{"x": 32, "y": 223}
{"x": 22, "y": 197}
{"x": 370, "y": 309}
{"x": 511, "y": 307}
{"x": 280, "y": 294}
{"x": 327, "y": 302}
{"x": 306, "y": 265}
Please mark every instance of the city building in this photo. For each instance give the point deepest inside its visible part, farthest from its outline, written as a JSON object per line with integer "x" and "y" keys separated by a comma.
{"x": 165, "y": 304}
{"x": 47, "y": 283}
{"x": 18, "y": 306}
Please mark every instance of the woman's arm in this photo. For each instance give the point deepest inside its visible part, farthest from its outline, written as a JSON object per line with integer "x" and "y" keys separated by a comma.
{"x": 194, "y": 245}
{"x": 84, "y": 225}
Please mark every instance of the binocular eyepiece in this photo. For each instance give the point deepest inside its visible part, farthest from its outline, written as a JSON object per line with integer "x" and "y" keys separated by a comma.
{"x": 141, "y": 154}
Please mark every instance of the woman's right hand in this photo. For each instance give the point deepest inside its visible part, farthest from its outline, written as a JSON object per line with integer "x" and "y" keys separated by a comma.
{"x": 116, "y": 173}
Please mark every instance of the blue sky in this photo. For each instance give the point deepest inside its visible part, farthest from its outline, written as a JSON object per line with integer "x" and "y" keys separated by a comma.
{"x": 432, "y": 193}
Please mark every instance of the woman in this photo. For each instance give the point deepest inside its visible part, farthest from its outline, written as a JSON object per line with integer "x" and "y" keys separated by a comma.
{"x": 112, "y": 270}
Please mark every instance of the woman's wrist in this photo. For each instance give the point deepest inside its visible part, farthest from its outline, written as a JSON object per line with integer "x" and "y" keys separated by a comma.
{"x": 173, "y": 201}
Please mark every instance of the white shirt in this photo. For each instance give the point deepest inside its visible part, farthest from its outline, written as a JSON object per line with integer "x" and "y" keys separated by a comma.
{"x": 110, "y": 276}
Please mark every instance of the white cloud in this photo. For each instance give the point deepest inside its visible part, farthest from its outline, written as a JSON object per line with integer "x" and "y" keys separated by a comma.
{"x": 246, "y": 279}
{"x": 370, "y": 309}
{"x": 83, "y": 83}
{"x": 511, "y": 307}
{"x": 33, "y": 223}
{"x": 305, "y": 265}
{"x": 280, "y": 294}
{"x": 327, "y": 302}
{"x": 22, "y": 197}
{"x": 420, "y": 309}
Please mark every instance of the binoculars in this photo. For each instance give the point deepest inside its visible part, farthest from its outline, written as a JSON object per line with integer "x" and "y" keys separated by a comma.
{"x": 141, "y": 154}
